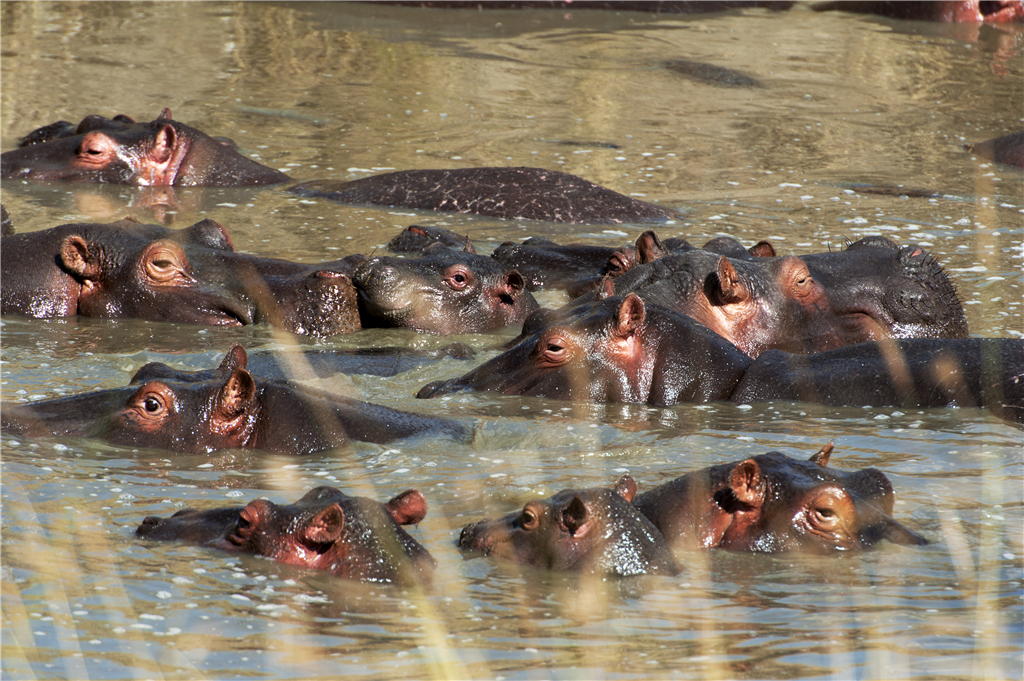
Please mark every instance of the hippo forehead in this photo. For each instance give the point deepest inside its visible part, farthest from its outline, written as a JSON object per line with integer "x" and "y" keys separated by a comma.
{"x": 784, "y": 473}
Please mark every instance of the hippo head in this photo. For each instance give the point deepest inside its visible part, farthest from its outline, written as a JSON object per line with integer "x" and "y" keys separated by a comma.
{"x": 124, "y": 272}
{"x": 444, "y": 292}
{"x": 161, "y": 152}
{"x": 593, "y": 530}
{"x": 326, "y": 529}
{"x": 612, "y": 350}
{"x": 783, "y": 504}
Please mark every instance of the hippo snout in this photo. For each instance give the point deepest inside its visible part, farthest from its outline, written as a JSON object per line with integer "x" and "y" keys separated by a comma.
{"x": 436, "y": 388}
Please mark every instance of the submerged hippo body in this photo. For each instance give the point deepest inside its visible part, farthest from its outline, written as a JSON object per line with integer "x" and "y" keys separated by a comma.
{"x": 593, "y": 530}
{"x": 507, "y": 193}
{"x": 1008, "y": 149}
{"x": 351, "y": 537}
{"x": 222, "y": 408}
{"x": 193, "y": 275}
{"x": 445, "y": 291}
{"x": 874, "y": 289}
{"x": 773, "y": 503}
{"x": 620, "y": 350}
{"x": 162, "y": 152}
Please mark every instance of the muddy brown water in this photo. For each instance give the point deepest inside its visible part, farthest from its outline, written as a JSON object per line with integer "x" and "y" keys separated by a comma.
{"x": 342, "y": 91}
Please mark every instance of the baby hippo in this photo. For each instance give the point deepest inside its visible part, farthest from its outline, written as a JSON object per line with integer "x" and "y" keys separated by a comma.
{"x": 593, "y": 530}
{"x": 772, "y": 503}
{"x": 352, "y": 537}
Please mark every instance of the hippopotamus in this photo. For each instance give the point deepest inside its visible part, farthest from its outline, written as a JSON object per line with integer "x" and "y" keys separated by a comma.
{"x": 160, "y": 153}
{"x": 623, "y": 350}
{"x": 594, "y": 530}
{"x": 445, "y": 292}
{"x": 506, "y": 193}
{"x": 871, "y": 290}
{"x": 224, "y": 408}
{"x": 578, "y": 268}
{"x": 944, "y": 11}
{"x": 418, "y": 238}
{"x": 1008, "y": 149}
{"x": 192, "y": 275}
{"x": 773, "y": 503}
{"x": 351, "y": 537}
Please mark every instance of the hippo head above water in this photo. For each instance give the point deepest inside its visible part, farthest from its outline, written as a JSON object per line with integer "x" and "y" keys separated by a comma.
{"x": 612, "y": 350}
{"x": 773, "y": 503}
{"x": 592, "y": 530}
{"x": 162, "y": 152}
{"x": 445, "y": 292}
{"x": 127, "y": 269}
{"x": 216, "y": 409}
{"x": 352, "y": 537}
{"x": 874, "y": 289}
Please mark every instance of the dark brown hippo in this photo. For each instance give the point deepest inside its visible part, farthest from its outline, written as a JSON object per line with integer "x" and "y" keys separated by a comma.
{"x": 1008, "y": 149}
{"x": 507, "y": 193}
{"x": 351, "y": 537}
{"x": 579, "y": 268}
{"x": 945, "y": 11}
{"x": 873, "y": 289}
{"x": 772, "y": 503}
{"x": 223, "y": 408}
{"x": 162, "y": 152}
{"x": 621, "y": 350}
{"x": 594, "y": 530}
{"x": 445, "y": 291}
{"x": 193, "y": 275}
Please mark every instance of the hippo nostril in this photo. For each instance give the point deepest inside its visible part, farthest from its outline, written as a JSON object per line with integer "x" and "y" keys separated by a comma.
{"x": 506, "y": 299}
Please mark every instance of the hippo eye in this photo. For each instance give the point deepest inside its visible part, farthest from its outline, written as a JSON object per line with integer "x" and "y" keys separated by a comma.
{"x": 553, "y": 349}
{"x": 528, "y": 519}
{"x": 458, "y": 278}
{"x": 152, "y": 405}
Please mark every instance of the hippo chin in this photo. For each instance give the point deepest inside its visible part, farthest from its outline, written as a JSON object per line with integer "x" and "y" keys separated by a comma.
{"x": 351, "y": 537}
{"x": 223, "y": 408}
{"x": 772, "y": 503}
{"x": 593, "y": 530}
{"x": 162, "y": 152}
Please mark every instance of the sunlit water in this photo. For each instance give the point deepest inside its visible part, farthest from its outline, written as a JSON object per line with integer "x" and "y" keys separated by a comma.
{"x": 342, "y": 91}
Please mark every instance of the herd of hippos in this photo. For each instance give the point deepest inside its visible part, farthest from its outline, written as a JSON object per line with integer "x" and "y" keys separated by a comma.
{"x": 658, "y": 321}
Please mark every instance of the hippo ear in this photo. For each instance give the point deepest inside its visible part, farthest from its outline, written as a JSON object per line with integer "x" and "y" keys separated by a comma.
{"x": 77, "y": 258}
{"x": 236, "y": 395}
{"x": 629, "y": 316}
{"x": 762, "y": 249}
{"x": 163, "y": 145}
{"x": 576, "y": 517}
{"x": 165, "y": 115}
{"x": 514, "y": 281}
{"x": 730, "y": 288}
{"x": 605, "y": 288}
{"x": 649, "y": 247}
{"x": 325, "y": 527}
{"x": 408, "y": 508}
{"x": 468, "y": 247}
{"x": 235, "y": 359}
{"x": 822, "y": 455}
{"x": 745, "y": 481}
{"x": 626, "y": 487}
